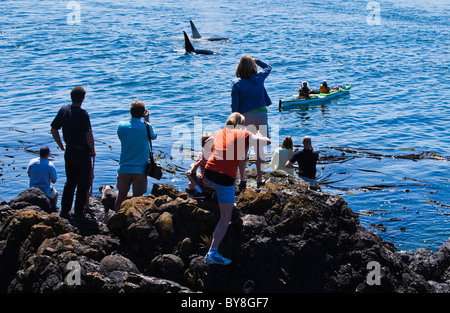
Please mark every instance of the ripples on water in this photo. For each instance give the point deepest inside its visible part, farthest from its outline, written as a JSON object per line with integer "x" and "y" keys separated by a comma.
{"x": 384, "y": 148}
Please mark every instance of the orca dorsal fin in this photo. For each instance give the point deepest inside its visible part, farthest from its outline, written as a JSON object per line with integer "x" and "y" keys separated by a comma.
{"x": 195, "y": 32}
{"x": 187, "y": 44}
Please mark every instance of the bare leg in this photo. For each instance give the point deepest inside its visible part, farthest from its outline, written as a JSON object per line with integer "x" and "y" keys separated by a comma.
{"x": 192, "y": 182}
{"x": 121, "y": 197}
{"x": 259, "y": 170}
{"x": 242, "y": 166}
{"x": 259, "y": 162}
{"x": 226, "y": 209}
{"x": 54, "y": 201}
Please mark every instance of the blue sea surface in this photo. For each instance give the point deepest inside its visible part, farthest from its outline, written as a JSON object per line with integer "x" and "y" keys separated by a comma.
{"x": 385, "y": 147}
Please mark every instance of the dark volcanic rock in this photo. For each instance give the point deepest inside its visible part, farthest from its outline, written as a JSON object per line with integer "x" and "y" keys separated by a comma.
{"x": 32, "y": 197}
{"x": 283, "y": 237}
{"x": 434, "y": 267}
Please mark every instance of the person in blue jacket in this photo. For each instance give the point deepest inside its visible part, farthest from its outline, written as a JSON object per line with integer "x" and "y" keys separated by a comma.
{"x": 249, "y": 97}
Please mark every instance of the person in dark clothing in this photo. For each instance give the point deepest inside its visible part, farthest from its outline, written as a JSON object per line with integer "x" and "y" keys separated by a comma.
{"x": 304, "y": 90}
{"x": 79, "y": 140}
{"x": 307, "y": 160}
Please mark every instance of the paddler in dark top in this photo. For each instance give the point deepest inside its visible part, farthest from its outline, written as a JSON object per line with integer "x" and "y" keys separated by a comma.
{"x": 304, "y": 90}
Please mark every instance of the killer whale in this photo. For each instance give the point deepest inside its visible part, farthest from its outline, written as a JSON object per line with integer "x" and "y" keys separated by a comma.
{"x": 190, "y": 48}
{"x": 197, "y": 35}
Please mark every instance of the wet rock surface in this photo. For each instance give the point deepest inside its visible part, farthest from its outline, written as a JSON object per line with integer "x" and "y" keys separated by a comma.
{"x": 285, "y": 237}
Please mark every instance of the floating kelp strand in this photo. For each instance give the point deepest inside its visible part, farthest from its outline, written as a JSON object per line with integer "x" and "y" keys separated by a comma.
{"x": 372, "y": 212}
{"x": 35, "y": 152}
{"x": 413, "y": 179}
{"x": 160, "y": 154}
{"x": 413, "y": 156}
{"x": 437, "y": 203}
{"x": 369, "y": 171}
{"x": 328, "y": 184}
{"x": 330, "y": 159}
{"x": 24, "y": 142}
{"x": 379, "y": 227}
{"x": 104, "y": 143}
{"x": 376, "y": 187}
{"x": 386, "y": 186}
{"x": 17, "y": 130}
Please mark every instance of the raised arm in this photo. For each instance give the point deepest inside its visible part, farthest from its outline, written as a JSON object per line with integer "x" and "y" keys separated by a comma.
{"x": 153, "y": 134}
{"x": 266, "y": 68}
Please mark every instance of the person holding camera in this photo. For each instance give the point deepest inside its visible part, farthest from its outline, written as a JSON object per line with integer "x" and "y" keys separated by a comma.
{"x": 135, "y": 151}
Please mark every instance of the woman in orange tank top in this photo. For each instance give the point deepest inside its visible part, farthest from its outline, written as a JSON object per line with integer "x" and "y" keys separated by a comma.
{"x": 230, "y": 147}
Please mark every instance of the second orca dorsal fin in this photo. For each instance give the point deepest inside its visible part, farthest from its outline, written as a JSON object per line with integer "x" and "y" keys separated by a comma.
{"x": 195, "y": 32}
{"x": 187, "y": 44}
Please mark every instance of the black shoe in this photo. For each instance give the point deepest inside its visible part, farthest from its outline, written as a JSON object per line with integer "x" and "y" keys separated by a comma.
{"x": 242, "y": 185}
{"x": 80, "y": 215}
{"x": 260, "y": 184}
{"x": 64, "y": 214}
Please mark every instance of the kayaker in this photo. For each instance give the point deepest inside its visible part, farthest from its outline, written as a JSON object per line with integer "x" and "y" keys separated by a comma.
{"x": 249, "y": 97}
{"x": 324, "y": 87}
{"x": 304, "y": 90}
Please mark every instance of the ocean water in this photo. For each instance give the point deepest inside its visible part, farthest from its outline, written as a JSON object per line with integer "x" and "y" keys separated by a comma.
{"x": 385, "y": 148}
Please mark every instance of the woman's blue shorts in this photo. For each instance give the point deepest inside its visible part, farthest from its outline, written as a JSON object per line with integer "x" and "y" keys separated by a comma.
{"x": 225, "y": 194}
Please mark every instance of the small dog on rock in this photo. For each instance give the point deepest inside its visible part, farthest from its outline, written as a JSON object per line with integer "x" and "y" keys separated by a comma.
{"x": 109, "y": 196}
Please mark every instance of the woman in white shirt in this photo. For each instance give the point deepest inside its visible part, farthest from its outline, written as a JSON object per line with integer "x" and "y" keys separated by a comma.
{"x": 281, "y": 155}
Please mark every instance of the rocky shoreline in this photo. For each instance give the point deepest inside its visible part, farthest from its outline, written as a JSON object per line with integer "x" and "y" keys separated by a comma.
{"x": 284, "y": 238}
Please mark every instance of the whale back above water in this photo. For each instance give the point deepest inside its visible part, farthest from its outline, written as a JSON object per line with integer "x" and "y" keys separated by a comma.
{"x": 190, "y": 48}
{"x": 196, "y": 34}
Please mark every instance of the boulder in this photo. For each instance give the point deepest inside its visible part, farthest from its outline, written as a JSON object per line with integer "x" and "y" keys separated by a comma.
{"x": 168, "y": 266}
{"x": 164, "y": 226}
{"x": 117, "y": 262}
{"x": 32, "y": 197}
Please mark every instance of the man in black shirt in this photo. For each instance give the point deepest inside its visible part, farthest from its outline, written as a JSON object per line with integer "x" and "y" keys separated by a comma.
{"x": 77, "y": 134}
{"x": 307, "y": 160}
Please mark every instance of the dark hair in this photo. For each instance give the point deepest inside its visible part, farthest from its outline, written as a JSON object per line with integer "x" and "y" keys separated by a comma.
{"x": 44, "y": 151}
{"x": 77, "y": 94}
{"x": 287, "y": 143}
{"x": 137, "y": 109}
{"x": 246, "y": 67}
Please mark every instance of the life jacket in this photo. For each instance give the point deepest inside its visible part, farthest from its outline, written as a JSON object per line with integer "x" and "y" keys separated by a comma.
{"x": 323, "y": 89}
